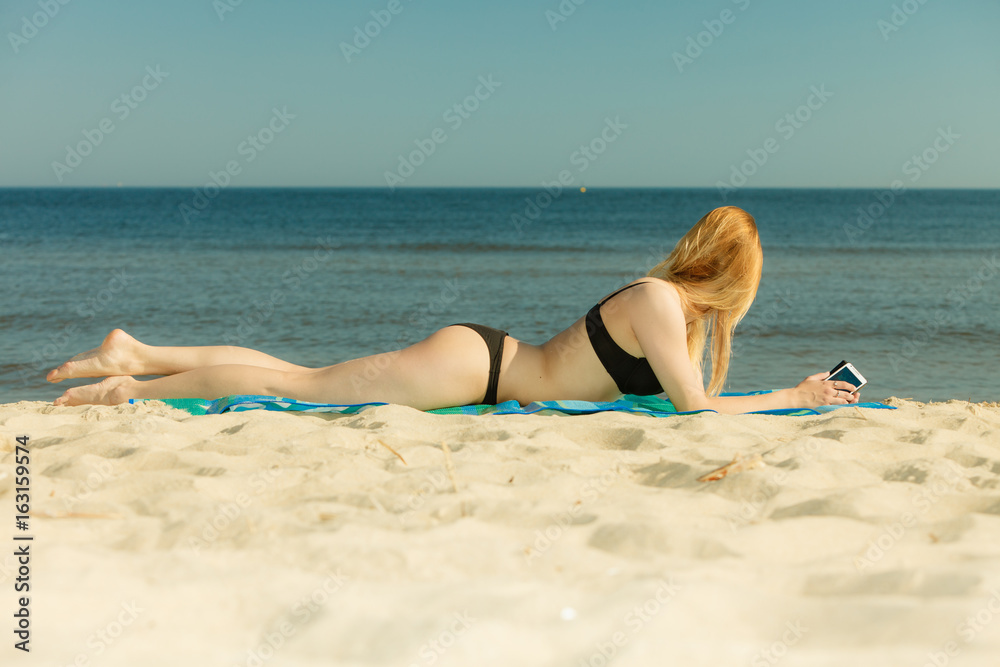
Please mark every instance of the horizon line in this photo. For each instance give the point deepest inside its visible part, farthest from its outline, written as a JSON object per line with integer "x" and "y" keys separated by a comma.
{"x": 480, "y": 187}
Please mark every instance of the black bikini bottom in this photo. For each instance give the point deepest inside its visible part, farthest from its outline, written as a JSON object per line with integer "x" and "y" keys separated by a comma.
{"x": 494, "y": 343}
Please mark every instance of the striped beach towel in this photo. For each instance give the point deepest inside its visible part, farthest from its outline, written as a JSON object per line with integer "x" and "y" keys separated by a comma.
{"x": 646, "y": 405}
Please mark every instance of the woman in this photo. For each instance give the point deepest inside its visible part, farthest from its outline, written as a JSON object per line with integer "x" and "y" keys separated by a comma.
{"x": 647, "y": 337}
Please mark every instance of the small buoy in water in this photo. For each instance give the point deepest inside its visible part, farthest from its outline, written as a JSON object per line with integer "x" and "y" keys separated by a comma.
{"x": 583, "y": 189}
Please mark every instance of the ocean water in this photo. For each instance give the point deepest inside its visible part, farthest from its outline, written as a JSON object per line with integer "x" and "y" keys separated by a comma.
{"x": 907, "y": 290}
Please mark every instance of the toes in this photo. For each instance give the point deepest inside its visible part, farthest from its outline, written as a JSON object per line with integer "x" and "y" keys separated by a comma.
{"x": 76, "y": 396}
{"x": 82, "y": 365}
{"x": 106, "y": 392}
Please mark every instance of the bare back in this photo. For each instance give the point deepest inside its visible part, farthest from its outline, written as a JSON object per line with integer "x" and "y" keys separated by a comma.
{"x": 566, "y": 365}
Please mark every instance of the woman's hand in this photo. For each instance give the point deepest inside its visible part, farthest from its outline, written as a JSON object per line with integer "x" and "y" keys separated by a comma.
{"x": 814, "y": 391}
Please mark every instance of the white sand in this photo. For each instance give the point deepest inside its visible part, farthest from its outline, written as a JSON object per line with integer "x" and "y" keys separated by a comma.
{"x": 869, "y": 538}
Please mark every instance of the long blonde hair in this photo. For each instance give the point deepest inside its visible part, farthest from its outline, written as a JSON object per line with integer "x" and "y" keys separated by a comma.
{"x": 717, "y": 267}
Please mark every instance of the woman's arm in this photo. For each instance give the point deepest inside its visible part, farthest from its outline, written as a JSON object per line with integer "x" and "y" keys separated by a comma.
{"x": 809, "y": 393}
{"x": 657, "y": 319}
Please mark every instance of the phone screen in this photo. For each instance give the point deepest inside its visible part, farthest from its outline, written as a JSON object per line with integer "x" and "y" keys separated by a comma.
{"x": 846, "y": 375}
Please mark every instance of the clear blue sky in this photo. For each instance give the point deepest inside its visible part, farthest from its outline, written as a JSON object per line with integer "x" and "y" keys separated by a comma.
{"x": 891, "y": 91}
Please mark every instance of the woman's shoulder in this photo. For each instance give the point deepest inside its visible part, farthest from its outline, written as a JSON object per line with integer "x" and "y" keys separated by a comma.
{"x": 642, "y": 292}
{"x": 655, "y": 286}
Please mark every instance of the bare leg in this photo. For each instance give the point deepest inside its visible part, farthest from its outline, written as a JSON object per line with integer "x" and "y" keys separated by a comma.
{"x": 207, "y": 382}
{"x": 447, "y": 368}
{"x": 121, "y": 354}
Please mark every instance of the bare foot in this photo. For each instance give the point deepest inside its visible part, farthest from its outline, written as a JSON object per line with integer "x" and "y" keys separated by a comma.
{"x": 109, "y": 391}
{"x": 117, "y": 355}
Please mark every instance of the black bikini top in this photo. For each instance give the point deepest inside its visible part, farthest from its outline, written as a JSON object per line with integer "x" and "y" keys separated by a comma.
{"x": 632, "y": 375}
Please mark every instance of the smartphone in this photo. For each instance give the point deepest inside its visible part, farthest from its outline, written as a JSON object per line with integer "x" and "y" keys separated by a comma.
{"x": 846, "y": 372}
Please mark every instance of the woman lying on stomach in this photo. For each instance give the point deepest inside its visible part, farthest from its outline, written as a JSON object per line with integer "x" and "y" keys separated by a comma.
{"x": 648, "y": 337}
